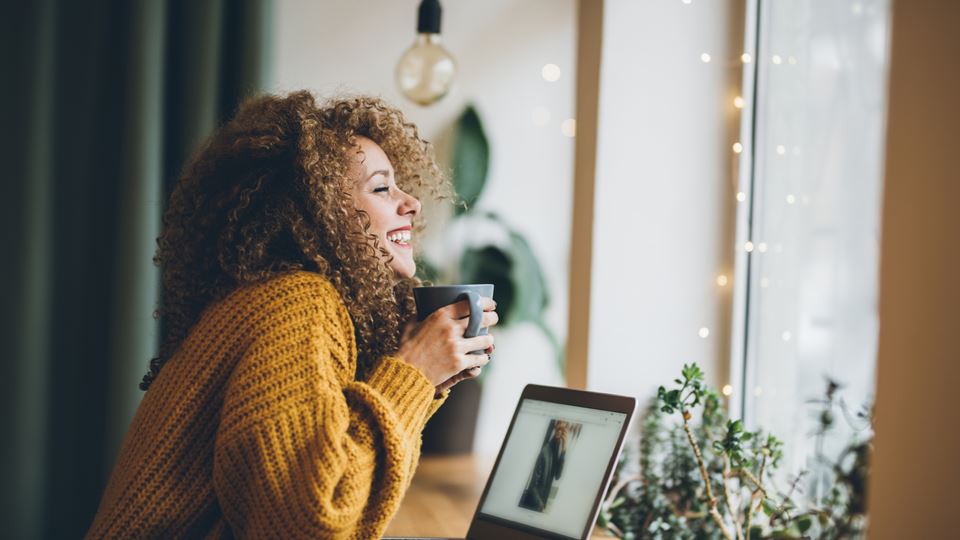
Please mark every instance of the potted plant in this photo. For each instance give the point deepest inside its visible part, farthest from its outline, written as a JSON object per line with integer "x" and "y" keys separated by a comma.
{"x": 713, "y": 479}
{"x": 488, "y": 250}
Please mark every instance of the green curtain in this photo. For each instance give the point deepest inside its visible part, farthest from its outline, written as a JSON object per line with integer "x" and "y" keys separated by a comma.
{"x": 102, "y": 102}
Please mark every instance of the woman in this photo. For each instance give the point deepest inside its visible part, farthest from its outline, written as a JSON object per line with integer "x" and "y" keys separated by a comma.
{"x": 291, "y": 387}
{"x": 547, "y": 469}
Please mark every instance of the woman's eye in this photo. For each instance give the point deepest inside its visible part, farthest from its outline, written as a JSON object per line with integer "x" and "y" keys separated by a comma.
{"x": 381, "y": 189}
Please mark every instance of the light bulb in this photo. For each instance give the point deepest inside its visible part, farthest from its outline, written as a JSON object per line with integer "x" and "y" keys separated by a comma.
{"x": 426, "y": 70}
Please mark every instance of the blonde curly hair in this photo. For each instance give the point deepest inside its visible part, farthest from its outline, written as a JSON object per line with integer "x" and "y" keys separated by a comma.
{"x": 271, "y": 192}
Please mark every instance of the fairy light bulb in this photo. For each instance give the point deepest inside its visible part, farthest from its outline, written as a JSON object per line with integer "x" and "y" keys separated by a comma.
{"x": 426, "y": 70}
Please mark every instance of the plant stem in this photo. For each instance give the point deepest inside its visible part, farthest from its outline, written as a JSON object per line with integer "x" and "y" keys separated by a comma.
{"x": 753, "y": 496}
{"x": 711, "y": 500}
{"x": 750, "y": 510}
{"x": 726, "y": 498}
{"x": 753, "y": 479}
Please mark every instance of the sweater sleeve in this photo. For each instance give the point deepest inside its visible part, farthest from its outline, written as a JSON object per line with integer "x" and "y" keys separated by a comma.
{"x": 303, "y": 452}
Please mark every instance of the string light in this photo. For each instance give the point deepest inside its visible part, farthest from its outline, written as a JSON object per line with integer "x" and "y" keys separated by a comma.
{"x": 704, "y": 332}
{"x": 737, "y": 148}
{"x": 745, "y": 58}
{"x": 722, "y": 280}
{"x": 764, "y": 283}
{"x": 776, "y": 59}
{"x": 748, "y": 246}
{"x": 687, "y": 2}
{"x": 550, "y": 72}
{"x": 705, "y": 58}
{"x": 781, "y": 149}
{"x": 727, "y": 390}
{"x": 786, "y": 336}
{"x": 757, "y": 391}
{"x": 791, "y": 60}
{"x": 738, "y": 102}
{"x": 741, "y": 196}
{"x": 762, "y": 247}
{"x": 569, "y": 127}
{"x": 791, "y": 198}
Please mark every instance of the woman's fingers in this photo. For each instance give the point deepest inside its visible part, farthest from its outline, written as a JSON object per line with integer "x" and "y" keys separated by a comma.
{"x": 461, "y": 309}
{"x": 490, "y": 318}
{"x": 478, "y": 343}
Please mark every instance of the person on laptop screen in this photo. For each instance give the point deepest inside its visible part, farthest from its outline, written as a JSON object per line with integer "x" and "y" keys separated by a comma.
{"x": 291, "y": 386}
{"x": 549, "y": 465}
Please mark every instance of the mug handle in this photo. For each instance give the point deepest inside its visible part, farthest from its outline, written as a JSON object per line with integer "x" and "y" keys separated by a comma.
{"x": 476, "y": 313}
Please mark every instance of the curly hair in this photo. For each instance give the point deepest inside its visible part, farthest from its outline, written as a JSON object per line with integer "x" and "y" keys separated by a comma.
{"x": 271, "y": 192}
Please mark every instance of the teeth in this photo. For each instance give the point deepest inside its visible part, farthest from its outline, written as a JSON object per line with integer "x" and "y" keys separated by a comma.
{"x": 400, "y": 237}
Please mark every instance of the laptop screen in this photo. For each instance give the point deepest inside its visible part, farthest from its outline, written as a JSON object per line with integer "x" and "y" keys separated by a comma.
{"x": 552, "y": 466}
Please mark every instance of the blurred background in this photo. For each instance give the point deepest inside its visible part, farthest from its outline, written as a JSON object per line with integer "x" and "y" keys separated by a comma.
{"x": 651, "y": 183}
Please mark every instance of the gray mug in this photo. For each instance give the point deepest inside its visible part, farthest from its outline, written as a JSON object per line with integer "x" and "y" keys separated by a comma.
{"x": 432, "y": 298}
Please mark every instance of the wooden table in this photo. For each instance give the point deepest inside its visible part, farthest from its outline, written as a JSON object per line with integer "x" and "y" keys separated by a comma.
{"x": 443, "y": 497}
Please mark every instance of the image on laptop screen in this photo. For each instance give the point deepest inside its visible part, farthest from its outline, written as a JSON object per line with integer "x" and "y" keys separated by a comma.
{"x": 553, "y": 466}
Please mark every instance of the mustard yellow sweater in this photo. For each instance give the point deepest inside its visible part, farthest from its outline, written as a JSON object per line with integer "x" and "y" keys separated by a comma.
{"x": 258, "y": 428}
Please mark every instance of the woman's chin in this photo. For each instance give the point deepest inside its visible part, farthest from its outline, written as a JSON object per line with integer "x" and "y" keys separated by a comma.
{"x": 404, "y": 271}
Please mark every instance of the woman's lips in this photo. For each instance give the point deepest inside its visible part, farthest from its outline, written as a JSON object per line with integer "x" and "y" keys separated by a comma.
{"x": 400, "y": 237}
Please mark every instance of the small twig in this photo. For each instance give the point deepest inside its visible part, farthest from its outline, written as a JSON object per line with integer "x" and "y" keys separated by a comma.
{"x": 751, "y": 509}
{"x": 686, "y": 513}
{"x": 620, "y": 485}
{"x": 753, "y": 497}
{"x": 753, "y": 479}
{"x": 782, "y": 509}
{"x": 611, "y": 497}
{"x": 726, "y": 498}
{"x": 711, "y": 500}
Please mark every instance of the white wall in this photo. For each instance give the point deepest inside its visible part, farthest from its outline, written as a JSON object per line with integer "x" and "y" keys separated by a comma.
{"x": 500, "y": 47}
{"x": 664, "y": 192}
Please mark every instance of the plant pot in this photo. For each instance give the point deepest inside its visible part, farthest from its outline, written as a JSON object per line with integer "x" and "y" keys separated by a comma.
{"x": 452, "y": 427}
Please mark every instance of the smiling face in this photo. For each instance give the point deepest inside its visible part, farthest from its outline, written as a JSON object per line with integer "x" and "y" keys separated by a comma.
{"x": 391, "y": 210}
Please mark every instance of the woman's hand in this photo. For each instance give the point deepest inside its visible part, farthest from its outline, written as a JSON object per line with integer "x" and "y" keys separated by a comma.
{"x": 437, "y": 347}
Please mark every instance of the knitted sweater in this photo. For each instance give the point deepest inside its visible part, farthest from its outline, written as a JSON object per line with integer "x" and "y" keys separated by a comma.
{"x": 257, "y": 427}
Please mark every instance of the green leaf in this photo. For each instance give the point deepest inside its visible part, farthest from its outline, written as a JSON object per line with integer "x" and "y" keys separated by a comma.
{"x": 603, "y": 520}
{"x": 769, "y": 507}
{"x": 804, "y": 523}
{"x": 532, "y": 296}
{"x": 471, "y": 158}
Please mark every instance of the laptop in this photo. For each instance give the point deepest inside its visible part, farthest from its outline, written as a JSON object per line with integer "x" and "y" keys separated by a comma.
{"x": 554, "y": 466}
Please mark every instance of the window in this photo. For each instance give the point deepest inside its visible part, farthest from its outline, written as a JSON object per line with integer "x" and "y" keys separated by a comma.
{"x": 809, "y": 221}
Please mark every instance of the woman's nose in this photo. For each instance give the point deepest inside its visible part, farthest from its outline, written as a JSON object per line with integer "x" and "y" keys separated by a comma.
{"x": 410, "y": 205}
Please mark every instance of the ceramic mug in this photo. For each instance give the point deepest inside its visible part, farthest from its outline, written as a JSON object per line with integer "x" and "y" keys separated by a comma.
{"x": 432, "y": 298}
